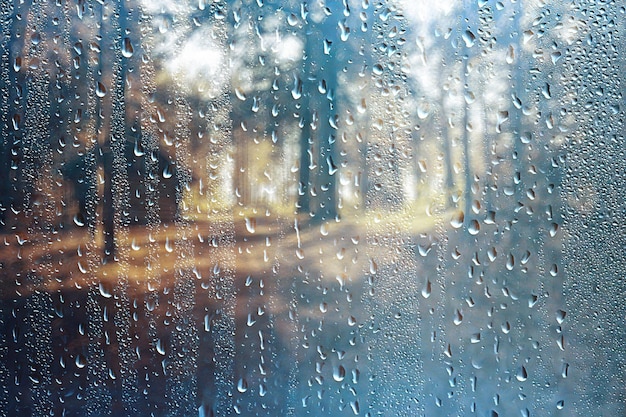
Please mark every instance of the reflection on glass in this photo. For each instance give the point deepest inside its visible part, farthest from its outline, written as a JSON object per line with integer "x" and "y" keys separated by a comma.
{"x": 312, "y": 208}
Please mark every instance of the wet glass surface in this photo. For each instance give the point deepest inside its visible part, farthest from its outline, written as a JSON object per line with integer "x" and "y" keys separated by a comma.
{"x": 309, "y": 208}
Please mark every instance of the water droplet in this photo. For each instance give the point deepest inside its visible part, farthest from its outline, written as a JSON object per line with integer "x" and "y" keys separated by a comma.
{"x": 79, "y": 220}
{"x": 138, "y": 149}
{"x": 339, "y": 373}
{"x": 250, "y": 224}
{"x": 168, "y": 245}
{"x": 423, "y": 110}
{"x": 458, "y": 317}
{"x": 160, "y": 347}
{"x": 469, "y": 38}
{"x": 292, "y": 19}
{"x": 344, "y": 30}
{"x": 167, "y": 171}
{"x": 473, "y": 228}
{"x": 457, "y": 219}
{"x": 240, "y": 94}
{"x": 521, "y": 374}
{"x": 510, "y": 55}
{"x": 127, "y": 48}
{"x": 296, "y": 91}
{"x": 242, "y": 385}
{"x": 427, "y": 290}
{"x": 101, "y": 90}
{"x": 80, "y": 361}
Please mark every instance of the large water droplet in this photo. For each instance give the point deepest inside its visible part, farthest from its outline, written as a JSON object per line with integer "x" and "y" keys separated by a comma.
{"x": 457, "y": 219}
{"x": 127, "y": 48}
{"x": 242, "y": 385}
{"x": 101, "y": 90}
{"x": 339, "y": 373}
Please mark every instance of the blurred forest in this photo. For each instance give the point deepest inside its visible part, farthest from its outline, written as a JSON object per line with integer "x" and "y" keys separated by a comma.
{"x": 328, "y": 208}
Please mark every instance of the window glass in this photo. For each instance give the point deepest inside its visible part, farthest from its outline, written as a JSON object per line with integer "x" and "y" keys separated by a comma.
{"x": 324, "y": 208}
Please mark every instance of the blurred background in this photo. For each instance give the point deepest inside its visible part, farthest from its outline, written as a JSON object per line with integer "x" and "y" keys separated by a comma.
{"x": 320, "y": 208}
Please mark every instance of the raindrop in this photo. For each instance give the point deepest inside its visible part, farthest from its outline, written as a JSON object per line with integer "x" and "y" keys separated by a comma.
{"x": 167, "y": 172}
{"x": 138, "y": 149}
{"x": 510, "y": 55}
{"x": 169, "y": 248}
{"x": 292, "y": 19}
{"x": 242, "y": 385}
{"x": 80, "y": 361}
{"x": 160, "y": 347}
{"x": 469, "y": 38}
{"x": 344, "y": 31}
{"x": 423, "y": 110}
{"x": 427, "y": 290}
{"x": 457, "y": 219}
{"x": 127, "y": 48}
{"x": 240, "y": 94}
{"x": 101, "y": 90}
{"x": 362, "y": 106}
{"x": 373, "y": 267}
{"x": 250, "y": 224}
{"x": 458, "y": 317}
{"x": 473, "y": 228}
{"x": 105, "y": 292}
{"x": 79, "y": 220}
{"x": 339, "y": 373}
{"x": 521, "y": 374}
{"x": 296, "y": 91}
{"x": 36, "y": 38}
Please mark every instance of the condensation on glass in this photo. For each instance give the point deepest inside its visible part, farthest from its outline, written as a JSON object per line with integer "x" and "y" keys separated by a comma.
{"x": 321, "y": 208}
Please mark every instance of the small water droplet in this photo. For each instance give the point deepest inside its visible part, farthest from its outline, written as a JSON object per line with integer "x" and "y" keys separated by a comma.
{"x": 521, "y": 374}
